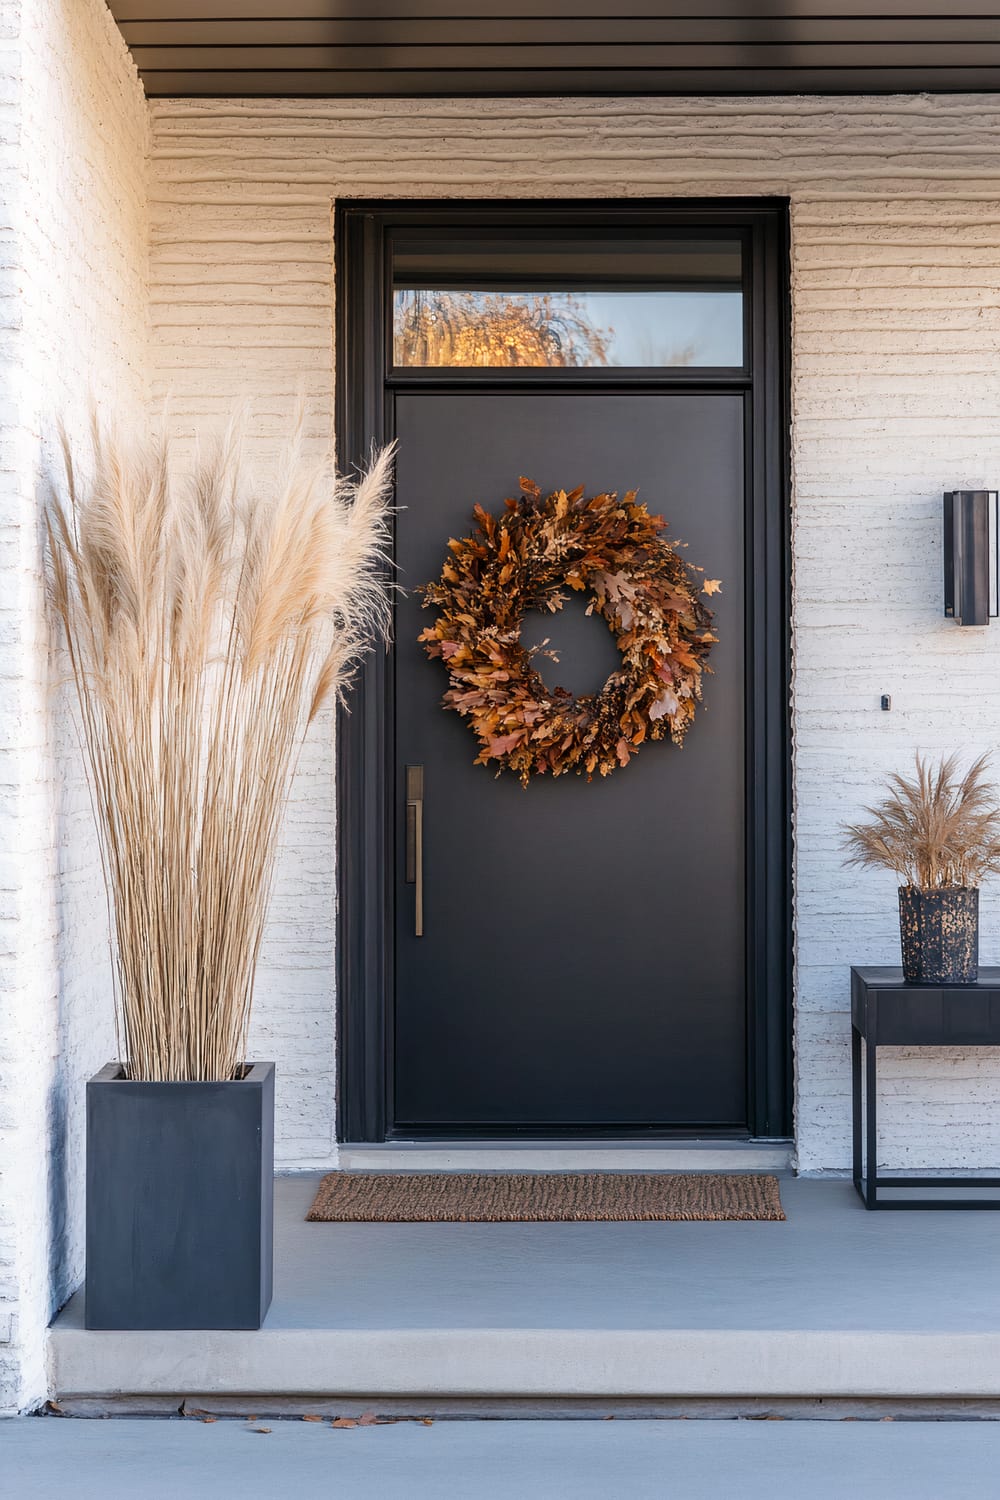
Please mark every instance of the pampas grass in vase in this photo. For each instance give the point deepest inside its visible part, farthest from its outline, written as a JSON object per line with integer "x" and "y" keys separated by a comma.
{"x": 206, "y": 625}
{"x": 939, "y": 833}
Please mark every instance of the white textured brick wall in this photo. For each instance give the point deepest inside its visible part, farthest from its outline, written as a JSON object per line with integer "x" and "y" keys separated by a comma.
{"x": 896, "y": 394}
{"x": 73, "y": 323}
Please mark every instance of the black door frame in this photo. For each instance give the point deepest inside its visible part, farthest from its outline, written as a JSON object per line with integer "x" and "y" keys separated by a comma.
{"x": 365, "y": 812}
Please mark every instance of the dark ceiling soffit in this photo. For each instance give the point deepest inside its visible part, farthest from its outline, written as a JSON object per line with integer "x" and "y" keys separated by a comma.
{"x": 959, "y": 32}
{"x": 404, "y": 48}
{"x": 521, "y": 11}
{"x": 569, "y": 59}
{"x": 301, "y": 84}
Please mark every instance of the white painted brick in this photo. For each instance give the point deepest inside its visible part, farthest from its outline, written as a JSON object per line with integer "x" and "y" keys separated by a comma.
{"x": 74, "y": 256}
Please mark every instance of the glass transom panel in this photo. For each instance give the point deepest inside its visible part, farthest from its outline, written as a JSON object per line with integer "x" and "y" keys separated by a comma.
{"x": 568, "y": 304}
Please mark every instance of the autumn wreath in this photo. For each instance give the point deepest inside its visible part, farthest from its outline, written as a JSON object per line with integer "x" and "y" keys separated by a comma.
{"x": 523, "y": 560}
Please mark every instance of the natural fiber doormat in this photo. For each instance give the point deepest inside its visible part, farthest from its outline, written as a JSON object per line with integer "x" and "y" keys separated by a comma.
{"x": 542, "y": 1197}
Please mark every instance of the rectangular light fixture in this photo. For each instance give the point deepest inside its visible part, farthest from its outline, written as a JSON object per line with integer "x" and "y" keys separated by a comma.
{"x": 971, "y": 537}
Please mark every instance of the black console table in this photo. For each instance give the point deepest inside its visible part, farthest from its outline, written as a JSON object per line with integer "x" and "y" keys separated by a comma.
{"x": 887, "y": 1012}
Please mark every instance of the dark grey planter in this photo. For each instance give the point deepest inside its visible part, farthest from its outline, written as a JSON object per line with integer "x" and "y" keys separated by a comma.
{"x": 180, "y": 1201}
{"x": 939, "y": 933}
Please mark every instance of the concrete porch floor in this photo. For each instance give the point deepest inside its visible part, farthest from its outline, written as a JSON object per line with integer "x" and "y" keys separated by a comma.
{"x": 835, "y": 1303}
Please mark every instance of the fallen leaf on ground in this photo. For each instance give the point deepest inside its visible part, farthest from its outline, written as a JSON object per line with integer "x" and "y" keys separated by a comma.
{"x": 262, "y": 1429}
{"x": 367, "y": 1419}
{"x": 312, "y": 1419}
{"x": 427, "y": 1421}
{"x": 344, "y": 1422}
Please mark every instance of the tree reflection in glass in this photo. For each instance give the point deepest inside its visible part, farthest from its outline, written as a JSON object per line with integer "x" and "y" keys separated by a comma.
{"x": 496, "y": 330}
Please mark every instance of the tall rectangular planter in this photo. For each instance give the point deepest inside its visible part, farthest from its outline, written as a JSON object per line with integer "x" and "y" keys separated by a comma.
{"x": 180, "y": 1201}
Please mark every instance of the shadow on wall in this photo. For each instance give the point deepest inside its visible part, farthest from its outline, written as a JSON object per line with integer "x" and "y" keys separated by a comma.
{"x": 82, "y": 1036}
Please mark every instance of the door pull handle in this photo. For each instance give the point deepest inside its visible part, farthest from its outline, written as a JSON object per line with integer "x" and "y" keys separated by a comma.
{"x": 415, "y": 843}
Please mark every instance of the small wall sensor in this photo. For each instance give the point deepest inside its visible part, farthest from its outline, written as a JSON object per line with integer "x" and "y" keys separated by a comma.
{"x": 886, "y": 702}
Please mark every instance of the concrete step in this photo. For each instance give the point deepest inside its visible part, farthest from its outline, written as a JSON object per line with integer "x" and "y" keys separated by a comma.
{"x": 835, "y": 1303}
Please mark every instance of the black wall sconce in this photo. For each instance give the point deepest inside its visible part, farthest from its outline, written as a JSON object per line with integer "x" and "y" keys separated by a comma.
{"x": 971, "y": 589}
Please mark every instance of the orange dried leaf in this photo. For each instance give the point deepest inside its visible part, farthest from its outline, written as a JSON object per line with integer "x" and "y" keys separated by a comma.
{"x": 529, "y": 559}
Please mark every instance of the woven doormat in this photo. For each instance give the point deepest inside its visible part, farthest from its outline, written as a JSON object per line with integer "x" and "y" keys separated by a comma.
{"x": 541, "y": 1197}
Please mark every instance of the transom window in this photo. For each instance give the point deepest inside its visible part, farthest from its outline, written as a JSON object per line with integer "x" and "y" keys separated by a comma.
{"x": 568, "y": 303}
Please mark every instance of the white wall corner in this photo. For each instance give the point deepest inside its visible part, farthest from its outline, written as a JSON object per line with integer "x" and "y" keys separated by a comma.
{"x": 74, "y": 312}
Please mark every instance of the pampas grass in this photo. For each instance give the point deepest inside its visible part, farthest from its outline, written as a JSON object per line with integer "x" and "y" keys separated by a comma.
{"x": 936, "y": 830}
{"x": 206, "y": 627}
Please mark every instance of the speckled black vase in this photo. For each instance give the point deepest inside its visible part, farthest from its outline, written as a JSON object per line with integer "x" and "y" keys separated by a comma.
{"x": 939, "y": 931}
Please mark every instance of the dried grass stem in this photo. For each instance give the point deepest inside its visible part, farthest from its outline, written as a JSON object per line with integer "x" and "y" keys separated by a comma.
{"x": 938, "y": 830}
{"x": 205, "y": 627}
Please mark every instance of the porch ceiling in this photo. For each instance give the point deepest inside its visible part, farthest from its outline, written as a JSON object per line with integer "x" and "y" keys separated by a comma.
{"x": 399, "y": 48}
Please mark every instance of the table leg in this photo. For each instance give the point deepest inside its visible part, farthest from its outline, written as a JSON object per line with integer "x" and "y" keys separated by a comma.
{"x": 871, "y": 1129}
{"x": 856, "y": 1104}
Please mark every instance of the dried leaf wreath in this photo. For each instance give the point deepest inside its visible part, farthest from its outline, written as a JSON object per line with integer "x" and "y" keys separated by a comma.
{"x": 523, "y": 560}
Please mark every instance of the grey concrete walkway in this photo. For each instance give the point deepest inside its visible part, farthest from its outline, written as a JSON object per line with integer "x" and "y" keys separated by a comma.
{"x": 46, "y": 1459}
{"x": 835, "y": 1301}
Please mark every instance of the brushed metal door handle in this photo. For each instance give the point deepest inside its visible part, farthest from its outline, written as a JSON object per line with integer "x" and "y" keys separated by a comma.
{"x": 415, "y": 843}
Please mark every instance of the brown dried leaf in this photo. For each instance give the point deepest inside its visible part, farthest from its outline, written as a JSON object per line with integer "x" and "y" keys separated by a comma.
{"x": 527, "y": 559}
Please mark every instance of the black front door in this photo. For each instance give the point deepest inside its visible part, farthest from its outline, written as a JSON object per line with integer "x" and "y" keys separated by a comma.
{"x": 590, "y": 953}
{"x": 583, "y": 955}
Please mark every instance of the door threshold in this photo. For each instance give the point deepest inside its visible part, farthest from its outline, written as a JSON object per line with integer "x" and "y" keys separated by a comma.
{"x": 697, "y": 1155}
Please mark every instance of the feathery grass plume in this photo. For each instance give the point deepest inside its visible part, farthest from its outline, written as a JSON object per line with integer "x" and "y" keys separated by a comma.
{"x": 938, "y": 829}
{"x": 206, "y": 626}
